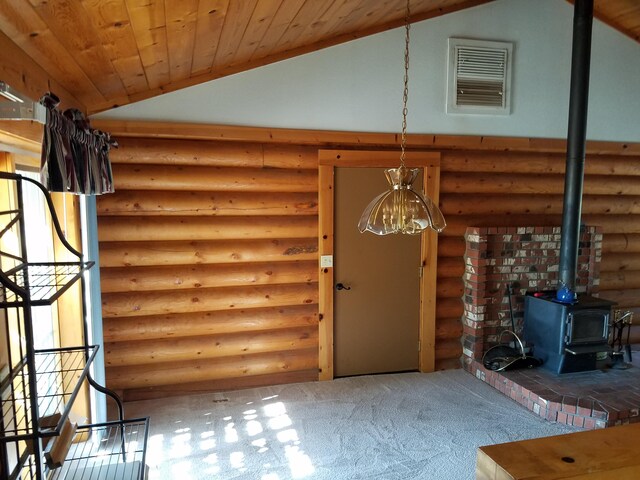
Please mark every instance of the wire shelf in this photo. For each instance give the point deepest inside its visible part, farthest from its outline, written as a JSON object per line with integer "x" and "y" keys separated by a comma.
{"x": 45, "y": 282}
{"x": 97, "y": 454}
{"x": 59, "y": 376}
{"x": 27, "y": 470}
{"x": 100, "y": 456}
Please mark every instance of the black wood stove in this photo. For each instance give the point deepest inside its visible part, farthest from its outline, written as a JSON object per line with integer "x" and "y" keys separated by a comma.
{"x": 567, "y": 337}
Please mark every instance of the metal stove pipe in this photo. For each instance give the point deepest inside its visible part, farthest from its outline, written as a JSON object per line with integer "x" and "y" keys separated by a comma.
{"x": 576, "y": 141}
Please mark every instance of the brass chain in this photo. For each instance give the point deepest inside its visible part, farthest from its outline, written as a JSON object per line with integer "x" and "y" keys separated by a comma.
{"x": 405, "y": 95}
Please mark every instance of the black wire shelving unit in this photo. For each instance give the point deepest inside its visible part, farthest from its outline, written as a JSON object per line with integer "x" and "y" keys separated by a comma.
{"x": 46, "y": 282}
{"x": 39, "y": 387}
{"x": 98, "y": 454}
{"x": 59, "y": 376}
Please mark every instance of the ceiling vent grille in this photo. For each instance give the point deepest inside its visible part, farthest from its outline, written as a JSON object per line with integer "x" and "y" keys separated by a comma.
{"x": 479, "y": 77}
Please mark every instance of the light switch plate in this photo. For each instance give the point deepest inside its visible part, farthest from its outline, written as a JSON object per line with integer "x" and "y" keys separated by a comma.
{"x": 326, "y": 261}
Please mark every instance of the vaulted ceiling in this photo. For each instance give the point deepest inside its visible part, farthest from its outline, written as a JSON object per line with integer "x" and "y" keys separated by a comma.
{"x": 104, "y": 53}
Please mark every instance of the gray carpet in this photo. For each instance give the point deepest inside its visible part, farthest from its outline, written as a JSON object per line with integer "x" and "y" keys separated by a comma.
{"x": 401, "y": 426}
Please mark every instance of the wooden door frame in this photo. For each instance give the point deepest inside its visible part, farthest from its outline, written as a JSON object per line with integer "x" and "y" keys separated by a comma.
{"x": 328, "y": 160}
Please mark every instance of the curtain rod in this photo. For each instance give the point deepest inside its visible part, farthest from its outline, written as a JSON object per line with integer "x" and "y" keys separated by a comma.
{"x": 15, "y": 106}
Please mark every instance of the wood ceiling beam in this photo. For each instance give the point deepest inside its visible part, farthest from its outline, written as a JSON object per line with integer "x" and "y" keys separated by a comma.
{"x": 23, "y": 74}
{"x": 101, "y": 54}
{"x": 621, "y": 15}
{"x": 224, "y": 71}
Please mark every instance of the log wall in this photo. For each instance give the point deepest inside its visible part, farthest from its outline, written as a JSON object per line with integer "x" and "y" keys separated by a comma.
{"x": 209, "y": 249}
{"x": 488, "y": 189}
{"x": 208, "y": 254}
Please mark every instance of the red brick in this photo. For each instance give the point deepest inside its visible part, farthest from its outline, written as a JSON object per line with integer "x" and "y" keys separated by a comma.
{"x": 585, "y": 406}
{"x": 569, "y": 404}
{"x": 578, "y": 421}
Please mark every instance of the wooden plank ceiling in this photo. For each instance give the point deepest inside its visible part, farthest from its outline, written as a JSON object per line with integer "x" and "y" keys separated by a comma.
{"x": 114, "y": 52}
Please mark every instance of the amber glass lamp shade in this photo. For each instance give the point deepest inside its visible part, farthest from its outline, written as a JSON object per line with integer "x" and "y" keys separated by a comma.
{"x": 401, "y": 209}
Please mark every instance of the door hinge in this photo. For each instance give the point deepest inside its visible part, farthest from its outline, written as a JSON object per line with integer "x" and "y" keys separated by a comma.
{"x": 419, "y": 345}
{"x": 420, "y": 271}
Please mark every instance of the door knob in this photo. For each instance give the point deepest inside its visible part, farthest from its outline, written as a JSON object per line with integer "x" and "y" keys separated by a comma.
{"x": 341, "y": 286}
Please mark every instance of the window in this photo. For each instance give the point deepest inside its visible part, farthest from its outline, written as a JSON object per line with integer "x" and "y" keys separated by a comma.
{"x": 39, "y": 241}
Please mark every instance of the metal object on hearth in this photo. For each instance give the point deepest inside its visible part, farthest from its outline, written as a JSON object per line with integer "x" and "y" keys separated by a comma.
{"x": 621, "y": 322}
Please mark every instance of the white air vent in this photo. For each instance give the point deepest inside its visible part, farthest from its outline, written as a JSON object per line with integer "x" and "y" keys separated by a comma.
{"x": 479, "y": 77}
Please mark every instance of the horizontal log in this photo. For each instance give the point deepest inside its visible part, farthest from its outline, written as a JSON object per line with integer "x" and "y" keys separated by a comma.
{"x": 457, "y": 224}
{"x": 160, "y": 351}
{"x": 620, "y": 242}
{"x": 544, "y": 163}
{"x": 210, "y": 179}
{"x": 448, "y": 308}
{"x": 448, "y": 328}
{"x": 450, "y": 267}
{"x": 620, "y": 261}
{"x": 208, "y": 323}
{"x": 634, "y": 336}
{"x": 522, "y": 183}
{"x": 220, "y": 385}
{"x": 139, "y": 279}
{"x": 145, "y": 229}
{"x": 186, "y": 152}
{"x": 141, "y": 376}
{"x": 618, "y": 280}
{"x": 448, "y": 363}
{"x": 115, "y": 254}
{"x": 625, "y": 299}
{"x": 449, "y": 287}
{"x": 202, "y": 300}
{"x": 510, "y": 204}
{"x": 451, "y": 246}
{"x": 446, "y": 349}
{"x": 148, "y": 203}
{"x": 287, "y": 156}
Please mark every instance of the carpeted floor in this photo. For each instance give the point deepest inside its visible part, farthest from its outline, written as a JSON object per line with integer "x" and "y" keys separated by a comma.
{"x": 401, "y": 426}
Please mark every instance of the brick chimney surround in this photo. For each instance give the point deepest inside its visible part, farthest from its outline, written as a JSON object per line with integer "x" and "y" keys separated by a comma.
{"x": 527, "y": 258}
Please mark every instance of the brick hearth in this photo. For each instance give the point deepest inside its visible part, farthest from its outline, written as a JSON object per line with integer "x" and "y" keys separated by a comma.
{"x": 597, "y": 399}
{"x": 527, "y": 259}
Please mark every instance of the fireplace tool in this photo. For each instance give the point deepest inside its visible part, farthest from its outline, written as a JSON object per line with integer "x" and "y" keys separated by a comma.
{"x": 622, "y": 321}
{"x": 506, "y": 357}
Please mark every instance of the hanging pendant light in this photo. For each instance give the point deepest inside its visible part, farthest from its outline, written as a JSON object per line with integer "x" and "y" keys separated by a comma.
{"x": 401, "y": 209}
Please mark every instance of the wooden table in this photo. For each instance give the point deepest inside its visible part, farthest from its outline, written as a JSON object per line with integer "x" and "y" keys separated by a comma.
{"x": 606, "y": 454}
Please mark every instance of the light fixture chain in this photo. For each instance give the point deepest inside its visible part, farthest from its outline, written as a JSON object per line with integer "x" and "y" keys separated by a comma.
{"x": 402, "y": 209}
{"x": 405, "y": 95}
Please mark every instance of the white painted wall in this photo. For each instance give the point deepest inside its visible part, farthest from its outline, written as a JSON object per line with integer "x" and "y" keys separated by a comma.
{"x": 358, "y": 86}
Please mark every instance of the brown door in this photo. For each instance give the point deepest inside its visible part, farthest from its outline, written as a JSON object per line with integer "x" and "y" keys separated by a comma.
{"x": 375, "y": 322}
